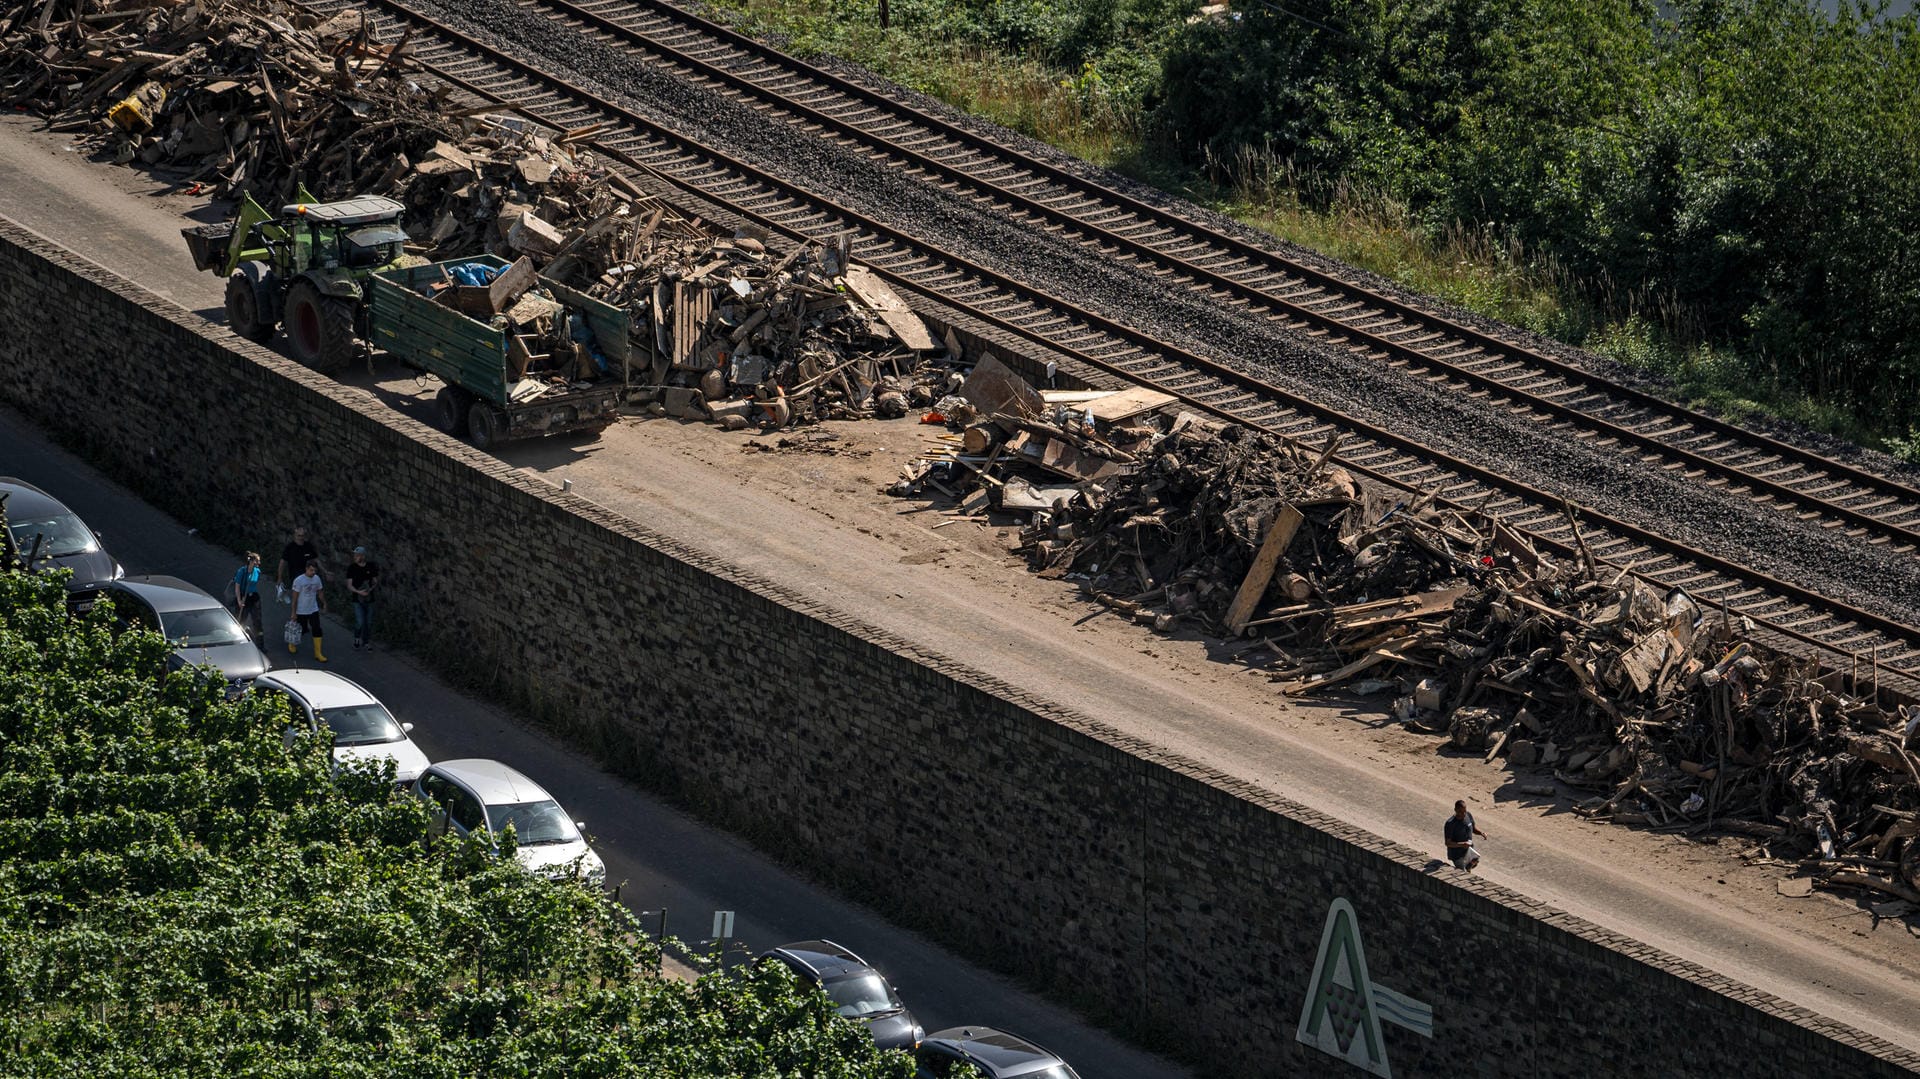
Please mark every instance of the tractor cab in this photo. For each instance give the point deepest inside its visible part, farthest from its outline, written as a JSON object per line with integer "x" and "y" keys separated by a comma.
{"x": 358, "y": 234}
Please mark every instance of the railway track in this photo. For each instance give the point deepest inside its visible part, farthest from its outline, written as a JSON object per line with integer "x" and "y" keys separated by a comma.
{"x": 1875, "y": 508}
{"x": 1794, "y": 613}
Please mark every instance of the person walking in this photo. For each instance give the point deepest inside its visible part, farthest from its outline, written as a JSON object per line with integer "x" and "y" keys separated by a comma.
{"x": 363, "y": 574}
{"x": 1460, "y": 831}
{"x": 309, "y": 601}
{"x": 246, "y": 595}
{"x": 293, "y": 558}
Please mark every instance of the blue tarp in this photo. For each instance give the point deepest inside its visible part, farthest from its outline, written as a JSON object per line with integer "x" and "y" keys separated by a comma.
{"x": 474, "y": 273}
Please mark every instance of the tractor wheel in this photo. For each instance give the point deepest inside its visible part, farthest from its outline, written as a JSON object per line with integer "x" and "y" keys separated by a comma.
{"x": 319, "y": 328}
{"x": 483, "y": 425}
{"x": 249, "y": 307}
{"x": 453, "y": 402}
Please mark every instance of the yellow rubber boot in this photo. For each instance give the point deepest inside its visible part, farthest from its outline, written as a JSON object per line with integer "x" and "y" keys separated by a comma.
{"x": 316, "y": 650}
{"x": 293, "y": 648}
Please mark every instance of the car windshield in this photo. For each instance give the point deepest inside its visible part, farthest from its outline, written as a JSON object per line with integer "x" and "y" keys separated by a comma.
{"x": 533, "y": 823}
{"x": 1055, "y": 1071}
{"x": 203, "y": 628}
{"x": 61, "y": 534}
{"x": 861, "y": 995}
{"x": 361, "y": 725}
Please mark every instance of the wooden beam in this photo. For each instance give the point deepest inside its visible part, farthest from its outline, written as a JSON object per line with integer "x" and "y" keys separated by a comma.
{"x": 1279, "y": 534}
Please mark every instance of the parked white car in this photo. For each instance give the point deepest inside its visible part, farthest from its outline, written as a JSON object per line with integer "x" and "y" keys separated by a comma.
{"x": 362, "y": 729}
{"x": 481, "y": 797}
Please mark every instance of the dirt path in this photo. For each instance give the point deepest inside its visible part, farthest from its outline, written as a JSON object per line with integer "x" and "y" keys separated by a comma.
{"x": 817, "y": 523}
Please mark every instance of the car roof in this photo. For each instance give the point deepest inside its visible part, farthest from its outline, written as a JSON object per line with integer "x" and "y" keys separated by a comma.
{"x": 996, "y": 1049}
{"x": 320, "y": 689}
{"x": 166, "y": 594}
{"x": 828, "y": 961}
{"x": 26, "y": 500}
{"x": 495, "y": 783}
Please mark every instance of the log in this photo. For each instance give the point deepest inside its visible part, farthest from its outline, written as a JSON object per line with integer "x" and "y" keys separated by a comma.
{"x": 1254, "y": 585}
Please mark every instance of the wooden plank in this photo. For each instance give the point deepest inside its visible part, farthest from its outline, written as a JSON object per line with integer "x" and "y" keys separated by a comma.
{"x": 1400, "y": 609}
{"x": 901, "y": 319}
{"x": 1128, "y": 403}
{"x": 995, "y": 387}
{"x": 1254, "y": 585}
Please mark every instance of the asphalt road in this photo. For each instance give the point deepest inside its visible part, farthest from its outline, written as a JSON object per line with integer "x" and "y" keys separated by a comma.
{"x": 666, "y": 859}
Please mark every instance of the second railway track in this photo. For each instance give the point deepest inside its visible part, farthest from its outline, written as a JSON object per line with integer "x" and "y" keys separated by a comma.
{"x": 1879, "y": 509}
{"x": 1797, "y": 613}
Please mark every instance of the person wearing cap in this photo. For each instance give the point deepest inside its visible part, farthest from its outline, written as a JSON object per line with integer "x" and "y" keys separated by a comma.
{"x": 363, "y": 574}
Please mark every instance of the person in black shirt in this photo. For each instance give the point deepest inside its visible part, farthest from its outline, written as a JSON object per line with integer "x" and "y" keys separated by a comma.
{"x": 294, "y": 558}
{"x": 362, "y": 575}
{"x": 1460, "y": 831}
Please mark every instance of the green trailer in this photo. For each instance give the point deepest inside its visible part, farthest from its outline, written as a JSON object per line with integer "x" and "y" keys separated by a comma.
{"x": 480, "y": 396}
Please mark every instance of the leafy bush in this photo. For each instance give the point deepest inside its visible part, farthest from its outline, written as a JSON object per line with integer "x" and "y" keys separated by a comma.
{"x": 1746, "y": 172}
{"x": 183, "y": 893}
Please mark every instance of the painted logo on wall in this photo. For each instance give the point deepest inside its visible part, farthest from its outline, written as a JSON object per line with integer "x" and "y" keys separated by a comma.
{"x": 1344, "y": 1007}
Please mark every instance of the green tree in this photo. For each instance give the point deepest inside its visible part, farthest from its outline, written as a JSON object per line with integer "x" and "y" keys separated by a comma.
{"x": 1747, "y": 172}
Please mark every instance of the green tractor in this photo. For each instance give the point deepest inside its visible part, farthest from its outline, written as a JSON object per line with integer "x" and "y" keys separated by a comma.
{"x": 306, "y": 269}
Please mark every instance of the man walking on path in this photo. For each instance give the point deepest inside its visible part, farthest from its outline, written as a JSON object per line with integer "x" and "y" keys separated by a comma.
{"x": 309, "y": 600}
{"x": 362, "y": 575}
{"x": 293, "y": 558}
{"x": 1460, "y": 833}
{"x": 246, "y": 595}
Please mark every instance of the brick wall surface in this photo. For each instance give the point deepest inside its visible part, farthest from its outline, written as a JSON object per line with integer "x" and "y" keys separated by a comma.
{"x": 1171, "y": 901}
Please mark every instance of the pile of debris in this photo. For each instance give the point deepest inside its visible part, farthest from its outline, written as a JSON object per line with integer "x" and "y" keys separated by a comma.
{"x": 741, "y": 338}
{"x": 241, "y": 97}
{"x": 258, "y": 99}
{"x": 1672, "y": 713}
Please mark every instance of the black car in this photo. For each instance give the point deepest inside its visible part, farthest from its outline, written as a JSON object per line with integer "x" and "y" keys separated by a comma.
{"x": 857, "y": 990}
{"x": 201, "y": 629}
{"x": 995, "y": 1053}
{"x": 64, "y": 540}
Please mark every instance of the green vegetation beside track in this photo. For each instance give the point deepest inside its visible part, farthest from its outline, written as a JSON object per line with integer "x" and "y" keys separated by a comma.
{"x": 185, "y": 893}
{"x": 1721, "y": 193}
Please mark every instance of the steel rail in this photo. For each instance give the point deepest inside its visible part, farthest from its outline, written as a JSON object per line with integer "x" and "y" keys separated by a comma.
{"x": 1891, "y": 510}
{"x": 1108, "y": 345}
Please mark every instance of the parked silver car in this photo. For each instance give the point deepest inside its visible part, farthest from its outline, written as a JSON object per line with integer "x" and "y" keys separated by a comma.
{"x": 481, "y": 797}
{"x": 202, "y": 631}
{"x": 997, "y": 1054}
{"x": 360, "y": 727}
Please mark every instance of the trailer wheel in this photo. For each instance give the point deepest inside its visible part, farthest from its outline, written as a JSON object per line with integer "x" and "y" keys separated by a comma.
{"x": 249, "y": 307}
{"x": 483, "y": 425}
{"x": 452, "y": 402}
{"x": 319, "y": 328}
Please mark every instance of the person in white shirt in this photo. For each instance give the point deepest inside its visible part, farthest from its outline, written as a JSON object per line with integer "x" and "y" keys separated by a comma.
{"x": 308, "y": 602}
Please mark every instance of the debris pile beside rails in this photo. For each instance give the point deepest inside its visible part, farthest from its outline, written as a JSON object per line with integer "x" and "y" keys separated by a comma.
{"x": 258, "y": 99}
{"x": 1653, "y": 707}
{"x": 744, "y": 338}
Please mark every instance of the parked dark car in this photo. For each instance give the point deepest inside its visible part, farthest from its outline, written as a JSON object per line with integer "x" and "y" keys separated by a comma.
{"x": 65, "y": 541}
{"x": 858, "y": 991}
{"x": 942, "y": 1054}
{"x": 202, "y": 631}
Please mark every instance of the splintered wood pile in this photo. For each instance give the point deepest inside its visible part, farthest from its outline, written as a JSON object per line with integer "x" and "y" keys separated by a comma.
{"x": 241, "y": 97}
{"x": 743, "y": 337}
{"x": 1673, "y": 713}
